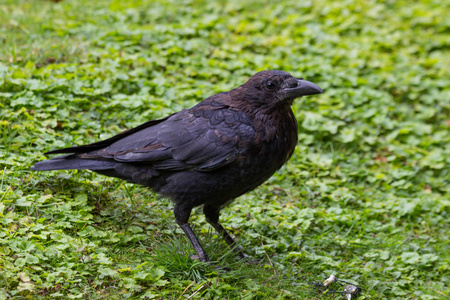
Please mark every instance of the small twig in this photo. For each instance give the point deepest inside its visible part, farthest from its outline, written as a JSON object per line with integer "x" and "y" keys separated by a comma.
{"x": 206, "y": 284}
{"x": 270, "y": 262}
{"x": 186, "y": 289}
{"x": 330, "y": 280}
{"x": 36, "y": 208}
{"x": 440, "y": 293}
{"x": 51, "y": 220}
{"x": 350, "y": 290}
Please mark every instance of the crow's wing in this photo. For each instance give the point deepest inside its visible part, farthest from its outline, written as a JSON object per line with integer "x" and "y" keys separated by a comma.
{"x": 196, "y": 139}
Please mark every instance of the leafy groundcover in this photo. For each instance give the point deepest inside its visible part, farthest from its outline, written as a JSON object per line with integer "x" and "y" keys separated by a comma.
{"x": 365, "y": 196}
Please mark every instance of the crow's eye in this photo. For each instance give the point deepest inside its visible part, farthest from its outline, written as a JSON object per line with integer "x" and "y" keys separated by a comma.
{"x": 270, "y": 85}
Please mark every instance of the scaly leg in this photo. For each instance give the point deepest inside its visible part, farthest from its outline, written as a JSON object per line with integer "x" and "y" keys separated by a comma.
{"x": 181, "y": 217}
{"x": 212, "y": 216}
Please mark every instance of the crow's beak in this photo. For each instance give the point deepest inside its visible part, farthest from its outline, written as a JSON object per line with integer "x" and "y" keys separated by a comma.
{"x": 303, "y": 88}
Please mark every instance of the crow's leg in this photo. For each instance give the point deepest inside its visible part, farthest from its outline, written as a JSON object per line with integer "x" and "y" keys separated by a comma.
{"x": 182, "y": 214}
{"x": 212, "y": 216}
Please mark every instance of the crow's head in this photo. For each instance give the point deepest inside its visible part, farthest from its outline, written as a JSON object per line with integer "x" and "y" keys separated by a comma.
{"x": 272, "y": 88}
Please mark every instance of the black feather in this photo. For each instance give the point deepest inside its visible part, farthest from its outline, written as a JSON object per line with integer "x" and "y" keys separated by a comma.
{"x": 71, "y": 162}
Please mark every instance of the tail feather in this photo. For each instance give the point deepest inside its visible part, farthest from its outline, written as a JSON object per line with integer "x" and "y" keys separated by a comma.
{"x": 72, "y": 162}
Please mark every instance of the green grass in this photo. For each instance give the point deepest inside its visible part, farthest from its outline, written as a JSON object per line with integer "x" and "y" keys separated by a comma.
{"x": 366, "y": 196}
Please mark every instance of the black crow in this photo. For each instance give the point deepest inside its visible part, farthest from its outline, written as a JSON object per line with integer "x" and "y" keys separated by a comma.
{"x": 210, "y": 154}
